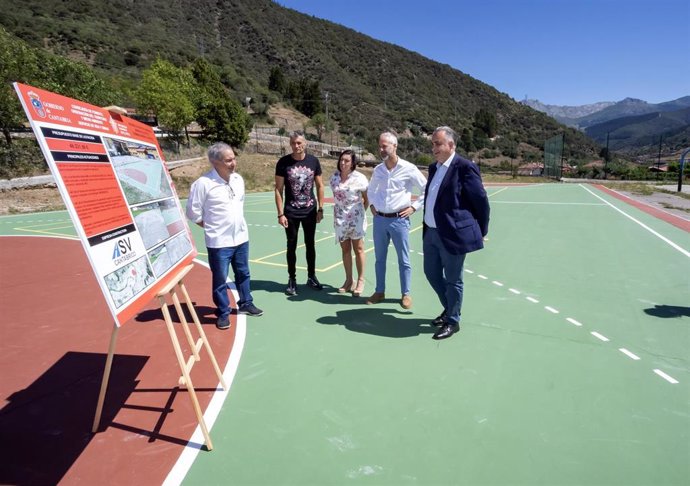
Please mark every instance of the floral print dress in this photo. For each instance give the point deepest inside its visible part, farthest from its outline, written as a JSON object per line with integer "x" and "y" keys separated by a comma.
{"x": 349, "y": 215}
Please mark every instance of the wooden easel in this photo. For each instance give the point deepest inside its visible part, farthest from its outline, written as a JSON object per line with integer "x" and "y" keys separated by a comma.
{"x": 185, "y": 366}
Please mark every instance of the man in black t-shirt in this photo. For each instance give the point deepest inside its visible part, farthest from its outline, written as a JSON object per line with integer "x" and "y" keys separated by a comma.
{"x": 296, "y": 176}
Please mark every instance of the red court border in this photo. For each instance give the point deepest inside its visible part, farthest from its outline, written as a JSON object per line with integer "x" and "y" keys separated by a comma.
{"x": 676, "y": 221}
{"x": 55, "y": 334}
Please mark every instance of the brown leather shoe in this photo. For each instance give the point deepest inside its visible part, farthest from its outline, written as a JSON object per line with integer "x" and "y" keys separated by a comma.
{"x": 406, "y": 301}
{"x": 376, "y": 297}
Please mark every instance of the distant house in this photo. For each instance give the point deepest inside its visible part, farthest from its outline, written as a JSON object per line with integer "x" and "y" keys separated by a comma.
{"x": 531, "y": 169}
{"x": 658, "y": 168}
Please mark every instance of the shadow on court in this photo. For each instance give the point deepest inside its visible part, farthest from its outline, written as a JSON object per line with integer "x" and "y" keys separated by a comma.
{"x": 668, "y": 311}
{"x": 206, "y": 314}
{"x": 379, "y": 322}
{"x": 46, "y": 426}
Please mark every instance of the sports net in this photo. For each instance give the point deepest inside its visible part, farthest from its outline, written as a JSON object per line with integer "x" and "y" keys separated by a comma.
{"x": 553, "y": 152}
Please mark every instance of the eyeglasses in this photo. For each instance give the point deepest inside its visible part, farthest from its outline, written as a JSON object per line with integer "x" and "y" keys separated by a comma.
{"x": 231, "y": 192}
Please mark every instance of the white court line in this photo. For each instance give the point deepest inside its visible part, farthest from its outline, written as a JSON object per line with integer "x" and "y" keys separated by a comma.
{"x": 551, "y": 309}
{"x": 469, "y": 271}
{"x": 515, "y": 291}
{"x": 532, "y": 299}
{"x": 188, "y": 455}
{"x": 663, "y": 238}
{"x": 483, "y": 277}
{"x": 573, "y": 321}
{"x": 666, "y": 377}
{"x": 546, "y": 203}
{"x": 629, "y": 354}
{"x": 497, "y": 283}
{"x": 599, "y": 336}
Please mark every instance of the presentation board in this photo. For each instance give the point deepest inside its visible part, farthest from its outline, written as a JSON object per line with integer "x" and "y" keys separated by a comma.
{"x": 112, "y": 177}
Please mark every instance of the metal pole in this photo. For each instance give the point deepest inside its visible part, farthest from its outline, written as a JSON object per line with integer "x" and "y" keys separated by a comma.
{"x": 658, "y": 160}
{"x": 606, "y": 155}
{"x": 680, "y": 169}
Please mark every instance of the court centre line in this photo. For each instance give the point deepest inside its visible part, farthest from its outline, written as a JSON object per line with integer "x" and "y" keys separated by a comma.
{"x": 629, "y": 354}
{"x": 666, "y": 377}
{"x": 599, "y": 336}
{"x": 547, "y": 203}
{"x": 663, "y": 238}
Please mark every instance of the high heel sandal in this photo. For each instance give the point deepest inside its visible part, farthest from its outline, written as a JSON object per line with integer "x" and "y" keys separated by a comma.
{"x": 346, "y": 287}
{"x": 357, "y": 291}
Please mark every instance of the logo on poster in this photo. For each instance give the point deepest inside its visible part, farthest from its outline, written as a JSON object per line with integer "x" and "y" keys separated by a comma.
{"x": 36, "y": 104}
{"x": 122, "y": 251}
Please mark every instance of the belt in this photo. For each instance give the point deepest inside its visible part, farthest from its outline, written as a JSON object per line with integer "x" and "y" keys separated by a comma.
{"x": 387, "y": 215}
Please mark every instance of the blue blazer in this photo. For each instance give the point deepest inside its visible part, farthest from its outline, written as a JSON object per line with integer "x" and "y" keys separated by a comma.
{"x": 461, "y": 210}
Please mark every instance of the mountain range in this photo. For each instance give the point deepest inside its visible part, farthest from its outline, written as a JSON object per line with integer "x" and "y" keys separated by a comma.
{"x": 371, "y": 85}
{"x": 629, "y": 124}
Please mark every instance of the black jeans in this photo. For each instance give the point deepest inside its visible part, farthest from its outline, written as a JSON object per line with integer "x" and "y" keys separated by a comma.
{"x": 309, "y": 229}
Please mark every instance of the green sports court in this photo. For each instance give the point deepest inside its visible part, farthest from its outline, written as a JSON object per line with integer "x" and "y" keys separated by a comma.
{"x": 572, "y": 365}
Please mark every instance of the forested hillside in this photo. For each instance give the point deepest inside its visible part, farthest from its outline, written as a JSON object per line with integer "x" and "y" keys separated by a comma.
{"x": 364, "y": 84}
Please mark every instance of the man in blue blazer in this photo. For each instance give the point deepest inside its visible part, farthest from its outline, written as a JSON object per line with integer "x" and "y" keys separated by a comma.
{"x": 456, "y": 220}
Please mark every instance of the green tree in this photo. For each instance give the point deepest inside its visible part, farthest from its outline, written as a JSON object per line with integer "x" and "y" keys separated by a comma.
{"x": 485, "y": 121}
{"x": 276, "y": 80}
{"x": 220, "y": 117}
{"x": 466, "y": 141}
{"x": 168, "y": 92}
{"x": 321, "y": 124}
{"x": 75, "y": 80}
{"x": 17, "y": 63}
{"x": 310, "y": 97}
{"x": 21, "y": 63}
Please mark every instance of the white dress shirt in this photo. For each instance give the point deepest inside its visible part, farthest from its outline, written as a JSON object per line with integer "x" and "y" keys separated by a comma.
{"x": 220, "y": 205}
{"x": 390, "y": 191}
{"x": 432, "y": 193}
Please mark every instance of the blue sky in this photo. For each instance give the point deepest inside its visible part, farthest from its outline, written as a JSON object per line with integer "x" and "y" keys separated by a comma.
{"x": 561, "y": 52}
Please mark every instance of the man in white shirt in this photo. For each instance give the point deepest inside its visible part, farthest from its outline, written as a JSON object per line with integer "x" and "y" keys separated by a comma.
{"x": 390, "y": 198}
{"x": 216, "y": 203}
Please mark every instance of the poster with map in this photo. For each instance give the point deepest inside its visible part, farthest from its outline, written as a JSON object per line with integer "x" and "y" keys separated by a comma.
{"x": 112, "y": 177}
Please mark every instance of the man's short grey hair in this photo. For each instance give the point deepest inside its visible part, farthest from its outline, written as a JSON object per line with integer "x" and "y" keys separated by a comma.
{"x": 390, "y": 136}
{"x": 296, "y": 134}
{"x": 448, "y": 132}
{"x": 215, "y": 151}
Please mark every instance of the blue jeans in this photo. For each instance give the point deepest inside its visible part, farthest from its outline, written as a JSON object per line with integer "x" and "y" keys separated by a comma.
{"x": 443, "y": 270}
{"x": 219, "y": 259}
{"x": 398, "y": 230}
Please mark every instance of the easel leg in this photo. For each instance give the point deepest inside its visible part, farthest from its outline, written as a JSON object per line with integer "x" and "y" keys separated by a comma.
{"x": 185, "y": 374}
{"x": 106, "y": 377}
{"x": 202, "y": 334}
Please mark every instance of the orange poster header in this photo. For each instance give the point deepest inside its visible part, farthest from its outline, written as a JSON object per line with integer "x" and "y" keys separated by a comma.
{"x": 49, "y": 107}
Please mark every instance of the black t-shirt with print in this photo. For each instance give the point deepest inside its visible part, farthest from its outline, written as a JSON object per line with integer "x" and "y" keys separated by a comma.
{"x": 299, "y": 184}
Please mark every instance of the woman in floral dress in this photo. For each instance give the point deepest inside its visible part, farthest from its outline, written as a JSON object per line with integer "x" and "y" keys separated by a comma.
{"x": 350, "y": 218}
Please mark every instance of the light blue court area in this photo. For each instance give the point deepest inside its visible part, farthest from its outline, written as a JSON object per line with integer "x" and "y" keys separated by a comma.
{"x": 571, "y": 365}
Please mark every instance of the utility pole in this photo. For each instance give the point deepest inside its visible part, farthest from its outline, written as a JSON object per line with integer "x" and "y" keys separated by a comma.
{"x": 658, "y": 160}
{"x": 326, "y": 96}
{"x": 606, "y": 156}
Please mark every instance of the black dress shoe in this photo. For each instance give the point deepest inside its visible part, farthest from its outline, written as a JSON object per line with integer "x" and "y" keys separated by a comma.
{"x": 440, "y": 320}
{"x": 446, "y": 331}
